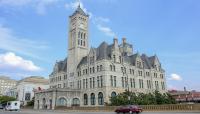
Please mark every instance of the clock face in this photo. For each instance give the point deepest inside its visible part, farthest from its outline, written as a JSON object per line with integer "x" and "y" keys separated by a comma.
{"x": 81, "y": 25}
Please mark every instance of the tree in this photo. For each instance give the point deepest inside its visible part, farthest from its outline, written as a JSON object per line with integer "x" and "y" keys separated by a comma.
{"x": 5, "y": 99}
{"x": 142, "y": 99}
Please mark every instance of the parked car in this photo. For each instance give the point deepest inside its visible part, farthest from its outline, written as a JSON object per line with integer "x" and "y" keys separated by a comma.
{"x": 13, "y": 105}
{"x": 1, "y": 106}
{"x": 129, "y": 109}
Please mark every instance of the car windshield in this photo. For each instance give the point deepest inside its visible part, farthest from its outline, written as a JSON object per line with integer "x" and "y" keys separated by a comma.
{"x": 132, "y": 106}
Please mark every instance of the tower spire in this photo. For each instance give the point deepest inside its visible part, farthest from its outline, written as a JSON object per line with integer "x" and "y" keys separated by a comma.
{"x": 79, "y": 4}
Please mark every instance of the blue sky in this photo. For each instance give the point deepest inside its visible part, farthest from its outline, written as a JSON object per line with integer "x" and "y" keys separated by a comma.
{"x": 33, "y": 34}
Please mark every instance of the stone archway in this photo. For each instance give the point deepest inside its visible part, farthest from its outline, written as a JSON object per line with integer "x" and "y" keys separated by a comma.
{"x": 75, "y": 102}
{"x": 62, "y": 102}
{"x": 44, "y": 106}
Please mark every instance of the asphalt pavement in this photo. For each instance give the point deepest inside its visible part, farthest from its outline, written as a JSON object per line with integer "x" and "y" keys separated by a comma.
{"x": 64, "y": 112}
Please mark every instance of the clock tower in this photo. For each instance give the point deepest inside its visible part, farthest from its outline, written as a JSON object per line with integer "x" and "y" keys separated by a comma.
{"x": 78, "y": 41}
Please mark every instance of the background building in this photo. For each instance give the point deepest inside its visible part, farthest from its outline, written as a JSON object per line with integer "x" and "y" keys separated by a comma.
{"x": 186, "y": 96}
{"x": 5, "y": 84}
{"x": 90, "y": 76}
{"x": 25, "y": 88}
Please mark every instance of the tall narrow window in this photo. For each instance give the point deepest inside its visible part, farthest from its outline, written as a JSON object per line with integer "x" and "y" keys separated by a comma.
{"x": 101, "y": 78}
{"x": 100, "y": 98}
{"x": 111, "y": 80}
{"x": 92, "y": 99}
{"x": 90, "y": 82}
{"x": 85, "y": 99}
{"x": 115, "y": 81}
{"x": 93, "y": 82}
{"x": 98, "y": 81}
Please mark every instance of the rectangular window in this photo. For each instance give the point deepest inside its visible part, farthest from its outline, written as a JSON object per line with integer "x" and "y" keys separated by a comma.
{"x": 141, "y": 83}
{"x": 83, "y": 83}
{"x": 93, "y": 82}
{"x": 90, "y": 82}
{"x": 86, "y": 83}
{"x": 131, "y": 81}
{"x": 111, "y": 81}
{"x": 101, "y": 81}
{"x": 122, "y": 81}
{"x": 115, "y": 81}
{"x": 98, "y": 81}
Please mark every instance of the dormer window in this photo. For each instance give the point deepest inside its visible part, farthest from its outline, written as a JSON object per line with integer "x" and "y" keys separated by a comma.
{"x": 139, "y": 64}
{"x": 114, "y": 58}
{"x": 91, "y": 59}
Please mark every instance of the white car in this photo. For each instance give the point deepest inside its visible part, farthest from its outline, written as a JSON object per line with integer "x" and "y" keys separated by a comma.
{"x": 13, "y": 106}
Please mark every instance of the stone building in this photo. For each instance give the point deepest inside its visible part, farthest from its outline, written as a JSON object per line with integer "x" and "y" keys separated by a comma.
{"x": 5, "y": 84}
{"x": 24, "y": 89}
{"x": 90, "y": 76}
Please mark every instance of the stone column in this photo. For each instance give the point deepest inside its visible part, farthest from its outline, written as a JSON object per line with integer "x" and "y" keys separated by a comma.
{"x": 54, "y": 99}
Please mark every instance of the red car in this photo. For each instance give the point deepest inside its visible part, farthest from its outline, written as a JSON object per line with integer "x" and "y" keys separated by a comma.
{"x": 129, "y": 109}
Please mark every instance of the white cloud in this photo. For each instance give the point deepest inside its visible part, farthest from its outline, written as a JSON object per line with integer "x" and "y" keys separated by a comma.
{"x": 9, "y": 41}
{"x": 106, "y": 30}
{"x": 10, "y": 60}
{"x": 39, "y": 5}
{"x": 175, "y": 77}
{"x": 102, "y": 19}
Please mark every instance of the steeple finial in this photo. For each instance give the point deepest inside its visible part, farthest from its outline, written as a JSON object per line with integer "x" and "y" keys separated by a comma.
{"x": 79, "y": 4}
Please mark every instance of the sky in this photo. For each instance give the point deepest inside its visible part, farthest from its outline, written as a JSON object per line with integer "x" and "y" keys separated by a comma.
{"x": 34, "y": 33}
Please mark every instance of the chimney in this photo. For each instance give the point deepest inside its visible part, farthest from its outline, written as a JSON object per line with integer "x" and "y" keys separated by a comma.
{"x": 115, "y": 42}
{"x": 185, "y": 89}
{"x": 124, "y": 40}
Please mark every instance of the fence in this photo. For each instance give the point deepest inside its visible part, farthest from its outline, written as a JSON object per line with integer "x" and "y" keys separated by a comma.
{"x": 172, "y": 107}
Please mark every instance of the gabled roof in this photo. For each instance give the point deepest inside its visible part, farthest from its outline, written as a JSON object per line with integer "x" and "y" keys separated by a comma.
{"x": 153, "y": 59}
{"x": 79, "y": 10}
{"x": 61, "y": 66}
{"x": 147, "y": 63}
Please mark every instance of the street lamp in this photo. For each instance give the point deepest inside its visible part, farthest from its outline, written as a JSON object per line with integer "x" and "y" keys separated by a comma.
{"x": 124, "y": 72}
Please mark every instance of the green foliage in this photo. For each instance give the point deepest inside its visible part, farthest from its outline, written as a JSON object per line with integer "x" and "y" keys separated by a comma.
{"x": 142, "y": 99}
{"x": 5, "y": 99}
{"x": 31, "y": 103}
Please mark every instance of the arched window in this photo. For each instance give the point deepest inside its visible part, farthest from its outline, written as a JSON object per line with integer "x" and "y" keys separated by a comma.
{"x": 101, "y": 67}
{"x": 78, "y": 42}
{"x": 62, "y": 102}
{"x": 85, "y": 99}
{"x": 111, "y": 67}
{"x": 98, "y": 69}
{"x": 113, "y": 94}
{"x": 75, "y": 102}
{"x": 92, "y": 99}
{"x": 79, "y": 34}
{"x": 100, "y": 98}
{"x": 84, "y": 43}
{"x": 84, "y": 36}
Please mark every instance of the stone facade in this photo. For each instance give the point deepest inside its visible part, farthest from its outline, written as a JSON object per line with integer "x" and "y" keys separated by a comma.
{"x": 23, "y": 91}
{"x": 5, "y": 84}
{"x": 89, "y": 77}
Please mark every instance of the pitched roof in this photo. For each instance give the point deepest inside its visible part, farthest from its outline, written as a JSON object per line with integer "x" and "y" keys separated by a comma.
{"x": 79, "y": 10}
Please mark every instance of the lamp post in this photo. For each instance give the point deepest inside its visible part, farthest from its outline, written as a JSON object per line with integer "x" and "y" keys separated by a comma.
{"x": 124, "y": 72}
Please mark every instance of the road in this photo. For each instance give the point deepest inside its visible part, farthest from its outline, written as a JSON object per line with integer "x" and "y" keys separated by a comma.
{"x": 62, "y": 112}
